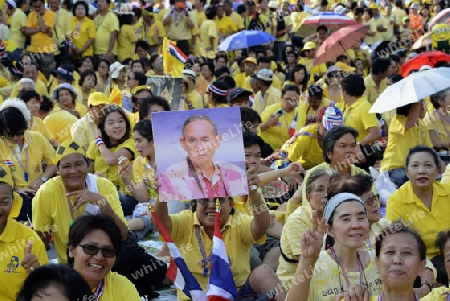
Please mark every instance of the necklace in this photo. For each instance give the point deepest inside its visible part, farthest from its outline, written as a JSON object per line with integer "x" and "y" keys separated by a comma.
{"x": 206, "y": 261}
{"x": 344, "y": 272}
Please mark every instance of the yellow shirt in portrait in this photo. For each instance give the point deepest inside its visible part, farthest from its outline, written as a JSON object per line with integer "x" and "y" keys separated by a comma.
{"x": 41, "y": 42}
{"x": 59, "y": 124}
{"x": 149, "y": 33}
{"x": 126, "y": 42}
{"x": 104, "y": 27}
{"x": 372, "y": 91}
{"x": 80, "y": 108}
{"x": 271, "y": 97}
{"x": 206, "y": 31}
{"x": 62, "y": 28}
{"x": 19, "y": 20}
{"x": 29, "y": 160}
{"x": 38, "y": 125}
{"x": 84, "y": 131}
{"x": 225, "y": 27}
{"x": 119, "y": 288}
{"x": 81, "y": 32}
{"x": 51, "y": 210}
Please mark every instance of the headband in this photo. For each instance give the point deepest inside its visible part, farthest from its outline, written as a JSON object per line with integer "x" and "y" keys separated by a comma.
{"x": 338, "y": 199}
{"x": 64, "y": 71}
{"x": 217, "y": 91}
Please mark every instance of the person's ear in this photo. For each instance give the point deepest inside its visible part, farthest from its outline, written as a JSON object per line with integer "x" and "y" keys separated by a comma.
{"x": 219, "y": 138}
{"x": 329, "y": 230}
{"x": 183, "y": 143}
{"x": 422, "y": 267}
{"x": 71, "y": 252}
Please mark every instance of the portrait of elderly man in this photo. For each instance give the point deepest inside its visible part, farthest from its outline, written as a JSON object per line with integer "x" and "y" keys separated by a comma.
{"x": 199, "y": 175}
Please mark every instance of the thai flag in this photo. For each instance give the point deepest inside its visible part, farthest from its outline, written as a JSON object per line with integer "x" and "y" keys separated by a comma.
{"x": 293, "y": 126}
{"x": 177, "y": 53}
{"x": 178, "y": 271}
{"x": 221, "y": 284}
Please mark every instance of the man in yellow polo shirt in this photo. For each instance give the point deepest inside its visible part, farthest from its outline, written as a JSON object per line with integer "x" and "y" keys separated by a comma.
{"x": 107, "y": 30}
{"x": 376, "y": 82}
{"x": 18, "y": 26}
{"x": 225, "y": 25}
{"x": 263, "y": 63}
{"x": 31, "y": 71}
{"x": 40, "y": 26}
{"x": 267, "y": 94}
{"x": 280, "y": 121}
{"x": 309, "y": 61}
{"x": 235, "y": 17}
{"x": 180, "y": 24}
{"x": 249, "y": 69}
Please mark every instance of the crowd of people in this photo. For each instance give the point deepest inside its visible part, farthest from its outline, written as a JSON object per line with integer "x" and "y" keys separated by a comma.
{"x": 75, "y": 103}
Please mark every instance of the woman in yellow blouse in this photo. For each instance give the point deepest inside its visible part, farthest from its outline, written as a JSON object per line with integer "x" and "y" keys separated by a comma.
{"x": 88, "y": 81}
{"x": 441, "y": 293}
{"x": 298, "y": 77}
{"x": 127, "y": 38}
{"x": 422, "y": 202}
{"x": 82, "y": 31}
{"x": 65, "y": 97}
{"x": 103, "y": 79}
{"x": 153, "y": 31}
{"x": 438, "y": 121}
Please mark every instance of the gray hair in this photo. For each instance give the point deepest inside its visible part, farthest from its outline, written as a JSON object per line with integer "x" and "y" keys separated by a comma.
{"x": 27, "y": 81}
{"x": 201, "y": 117}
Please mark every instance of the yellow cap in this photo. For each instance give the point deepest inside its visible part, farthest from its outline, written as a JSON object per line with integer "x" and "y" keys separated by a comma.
{"x": 250, "y": 59}
{"x": 309, "y": 45}
{"x": 343, "y": 66}
{"x": 374, "y": 6}
{"x": 98, "y": 98}
{"x": 6, "y": 176}
{"x": 66, "y": 148}
{"x": 139, "y": 88}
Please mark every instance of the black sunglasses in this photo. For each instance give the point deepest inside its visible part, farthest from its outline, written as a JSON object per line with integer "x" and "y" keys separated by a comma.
{"x": 93, "y": 250}
{"x": 205, "y": 202}
{"x": 11, "y": 135}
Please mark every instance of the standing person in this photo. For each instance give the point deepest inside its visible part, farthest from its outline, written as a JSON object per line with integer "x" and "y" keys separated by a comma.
{"x": 438, "y": 121}
{"x": 267, "y": 94}
{"x": 376, "y": 81}
{"x": 225, "y": 26}
{"x": 40, "y": 27}
{"x": 208, "y": 34}
{"x": 127, "y": 36}
{"x": 61, "y": 29}
{"x": 107, "y": 29}
{"x": 82, "y": 31}
{"x": 416, "y": 21}
{"x": 18, "y": 28}
{"x": 179, "y": 24}
{"x": 235, "y": 17}
{"x": 153, "y": 32}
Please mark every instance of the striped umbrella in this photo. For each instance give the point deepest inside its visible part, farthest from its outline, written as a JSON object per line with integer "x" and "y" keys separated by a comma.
{"x": 329, "y": 19}
{"x": 442, "y": 17}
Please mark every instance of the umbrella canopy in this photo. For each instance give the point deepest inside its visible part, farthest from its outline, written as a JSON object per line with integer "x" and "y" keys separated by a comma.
{"x": 412, "y": 89}
{"x": 245, "y": 39}
{"x": 329, "y": 19}
{"x": 339, "y": 41}
{"x": 424, "y": 58}
{"x": 442, "y": 17}
{"x": 423, "y": 41}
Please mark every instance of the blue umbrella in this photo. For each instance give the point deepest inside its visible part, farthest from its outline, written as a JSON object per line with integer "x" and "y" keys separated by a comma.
{"x": 245, "y": 39}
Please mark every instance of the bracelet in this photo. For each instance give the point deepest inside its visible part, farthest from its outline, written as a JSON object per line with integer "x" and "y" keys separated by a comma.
{"x": 99, "y": 141}
{"x": 190, "y": 105}
{"x": 427, "y": 284}
{"x": 271, "y": 159}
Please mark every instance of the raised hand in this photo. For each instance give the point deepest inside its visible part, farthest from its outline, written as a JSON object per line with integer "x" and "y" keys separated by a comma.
{"x": 312, "y": 240}
{"x": 30, "y": 261}
{"x": 356, "y": 292}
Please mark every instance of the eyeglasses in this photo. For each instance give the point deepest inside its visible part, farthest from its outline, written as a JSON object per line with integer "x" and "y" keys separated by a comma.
{"x": 205, "y": 202}
{"x": 12, "y": 135}
{"x": 93, "y": 250}
{"x": 372, "y": 200}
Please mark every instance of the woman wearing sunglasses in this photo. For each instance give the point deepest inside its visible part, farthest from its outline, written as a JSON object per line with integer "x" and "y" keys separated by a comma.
{"x": 193, "y": 231}
{"x": 93, "y": 246}
{"x": 24, "y": 152}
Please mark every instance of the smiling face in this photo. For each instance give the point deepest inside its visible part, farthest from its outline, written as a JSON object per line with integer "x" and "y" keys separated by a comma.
{"x": 399, "y": 261}
{"x": 207, "y": 213}
{"x": 92, "y": 267}
{"x": 115, "y": 126}
{"x": 421, "y": 170}
{"x": 5, "y": 204}
{"x": 199, "y": 142}
{"x": 65, "y": 98}
{"x": 350, "y": 225}
{"x": 73, "y": 169}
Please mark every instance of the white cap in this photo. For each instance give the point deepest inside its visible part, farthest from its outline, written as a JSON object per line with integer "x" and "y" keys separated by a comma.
{"x": 273, "y": 4}
{"x": 265, "y": 74}
{"x": 115, "y": 68}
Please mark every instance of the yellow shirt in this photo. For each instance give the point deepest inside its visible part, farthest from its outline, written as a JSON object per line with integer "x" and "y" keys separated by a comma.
{"x": 435, "y": 126}
{"x": 400, "y": 141}
{"x": 404, "y": 204}
{"x": 239, "y": 79}
{"x": 118, "y": 288}
{"x": 237, "y": 237}
{"x": 237, "y": 20}
{"x": 84, "y": 131}
{"x": 353, "y": 171}
{"x": 104, "y": 26}
{"x": 13, "y": 243}
{"x": 288, "y": 22}
{"x": 36, "y": 148}
{"x": 199, "y": 17}
{"x": 51, "y": 210}
{"x": 312, "y": 68}
{"x": 305, "y": 148}
{"x": 278, "y": 134}
{"x": 297, "y": 19}
{"x": 81, "y": 32}
{"x": 111, "y": 172}
{"x": 41, "y": 42}
{"x": 309, "y": 111}
{"x": 177, "y": 29}
{"x": 399, "y": 14}
{"x": 271, "y": 97}
{"x": 196, "y": 99}
{"x": 372, "y": 92}
{"x": 335, "y": 96}
{"x": 372, "y": 28}
{"x": 19, "y": 20}
{"x": 290, "y": 242}
{"x": 225, "y": 27}
{"x": 436, "y": 294}
{"x": 38, "y": 125}
{"x": 358, "y": 117}
{"x": 40, "y": 88}
{"x": 275, "y": 83}
{"x": 380, "y": 36}
{"x": 59, "y": 124}
{"x": 134, "y": 118}
{"x": 62, "y": 27}
{"x": 149, "y": 33}
{"x": 206, "y": 31}
{"x": 126, "y": 42}
{"x": 327, "y": 280}
{"x": 81, "y": 109}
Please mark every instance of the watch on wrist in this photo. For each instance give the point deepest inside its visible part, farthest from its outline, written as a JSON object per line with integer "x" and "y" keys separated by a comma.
{"x": 43, "y": 179}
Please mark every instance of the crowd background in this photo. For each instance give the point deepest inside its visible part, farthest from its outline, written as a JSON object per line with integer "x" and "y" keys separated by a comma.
{"x": 78, "y": 158}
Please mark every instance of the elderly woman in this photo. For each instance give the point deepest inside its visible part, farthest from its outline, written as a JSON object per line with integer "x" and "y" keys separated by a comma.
{"x": 422, "y": 202}
{"x": 196, "y": 228}
{"x": 24, "y": 151}
{"x": 438, "y": 121}
{"x": 65, "y": 97}
{"x": 94, "y": 244}
{"x": 344, "y": 263}
{"x": 56, "y": 282}
{"x": 26, "y": 84}
{"x": 23, "y": 248}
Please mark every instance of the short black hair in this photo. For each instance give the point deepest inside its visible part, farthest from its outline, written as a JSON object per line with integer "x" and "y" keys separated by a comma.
{"x": 211, "y": 12}
{"x": 136, "y": 62}
{"x": 144, "y": 128}
{"x": 316, "y": 91}
{"x": 26, "y": 95}
{"x": 83, "y": 3}
{"x": 143, "y": 44}
{"x": 380, "y": 65}
{"x": 322, "y": 27}
{"x": 251, "y": 139}
{"x": 305, "y": 80}
{"x": 140, "y": 77}
{"x": 229, "y": 80}
{"x": 441, "y": 95}
{"x": 12, "y": 120}
{"x": 209, "y": 64}
{"x": 423, "y": 149}
{"x": 333, "y": 135}
{"x": 86, "y": 74}
{"x": 265, "y": 60}
{"x": 249, "y": 115}
{"x": 290, "y": 88}
{"x": 86, "y": 224}
{"x": 147, "y": 103}
{"x": 353, "y": 84}
{"x": 69, "y": 282}
{"x": 221, "y": 70}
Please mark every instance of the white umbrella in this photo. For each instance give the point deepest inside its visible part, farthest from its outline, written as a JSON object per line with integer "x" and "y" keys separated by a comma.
{"x": 412, "y": 89}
